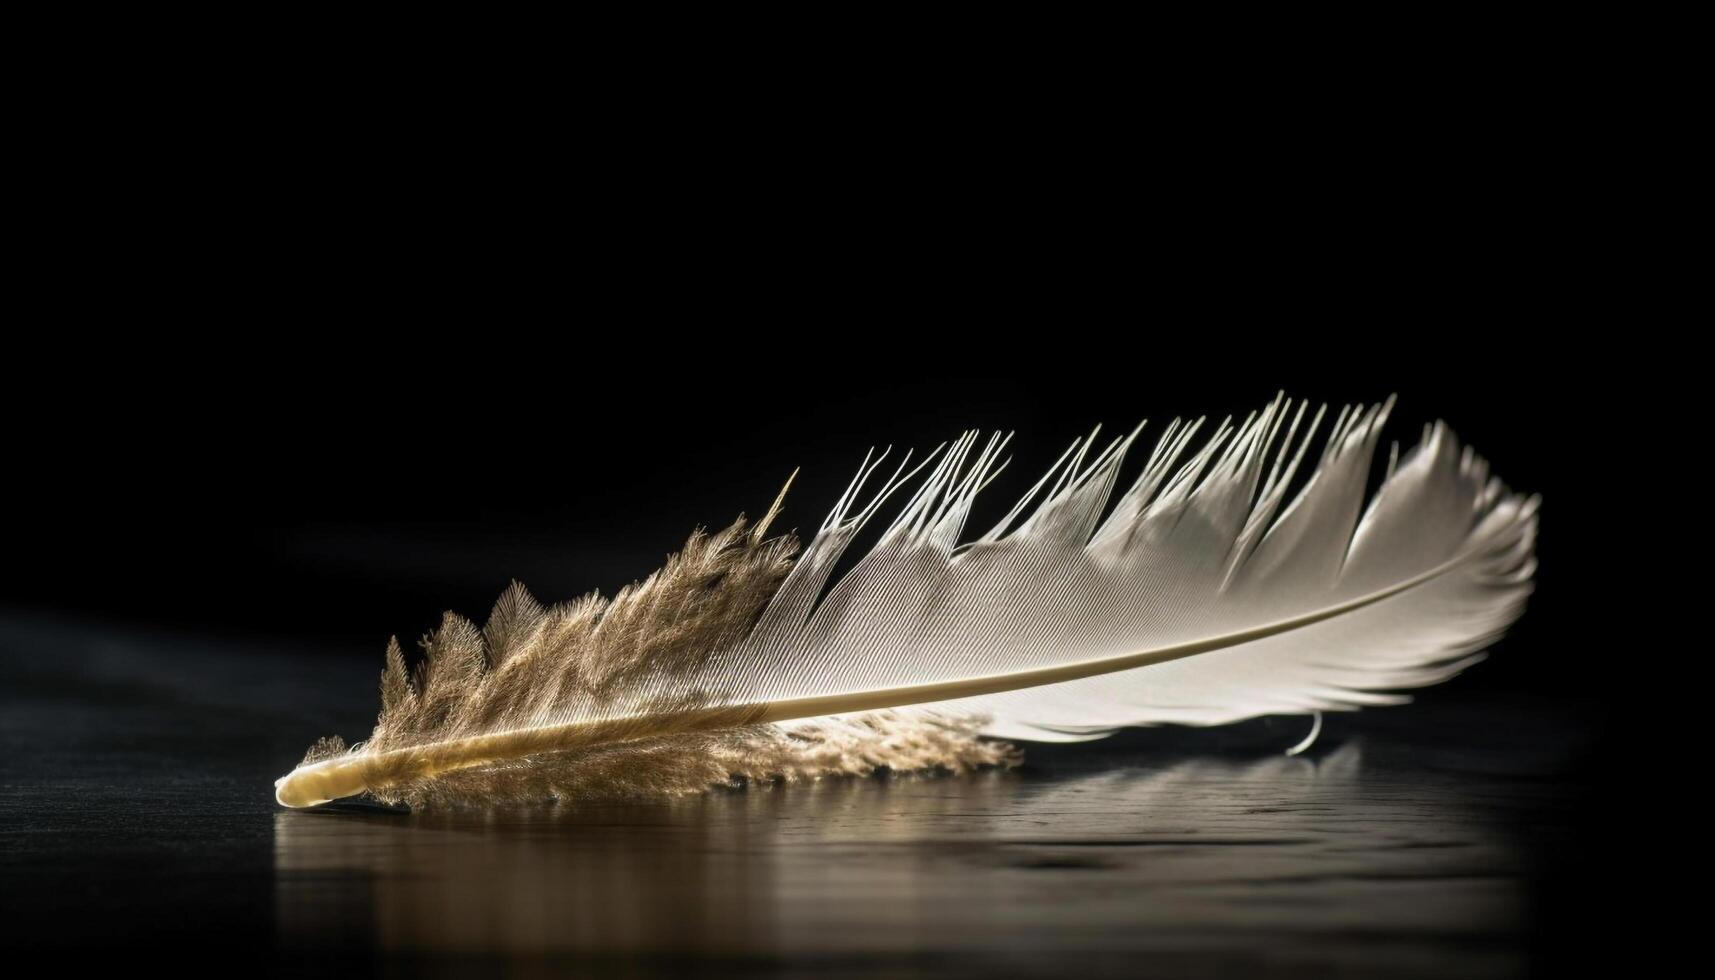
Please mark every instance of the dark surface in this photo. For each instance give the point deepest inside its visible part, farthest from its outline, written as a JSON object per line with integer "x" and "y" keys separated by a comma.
{"x": 138, "y": 822}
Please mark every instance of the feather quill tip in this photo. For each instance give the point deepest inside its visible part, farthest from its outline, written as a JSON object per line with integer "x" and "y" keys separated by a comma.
{"x": 322, "y": 782}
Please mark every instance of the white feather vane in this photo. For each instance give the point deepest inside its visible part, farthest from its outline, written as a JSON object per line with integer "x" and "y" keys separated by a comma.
{"x": 1204, "y": 597}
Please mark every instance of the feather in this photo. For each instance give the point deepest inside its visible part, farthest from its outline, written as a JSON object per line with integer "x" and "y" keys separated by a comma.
{"x": 1204, "y": 596}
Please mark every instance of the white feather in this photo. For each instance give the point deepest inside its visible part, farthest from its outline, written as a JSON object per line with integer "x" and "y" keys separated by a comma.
{"x": 1204, "y": 597}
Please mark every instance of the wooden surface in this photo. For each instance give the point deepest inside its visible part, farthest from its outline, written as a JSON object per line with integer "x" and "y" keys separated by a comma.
{"x": 138, "y": 822}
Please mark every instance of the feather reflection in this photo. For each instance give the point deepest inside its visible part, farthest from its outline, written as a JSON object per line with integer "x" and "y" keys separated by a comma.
{"x": 868, "y": 867}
